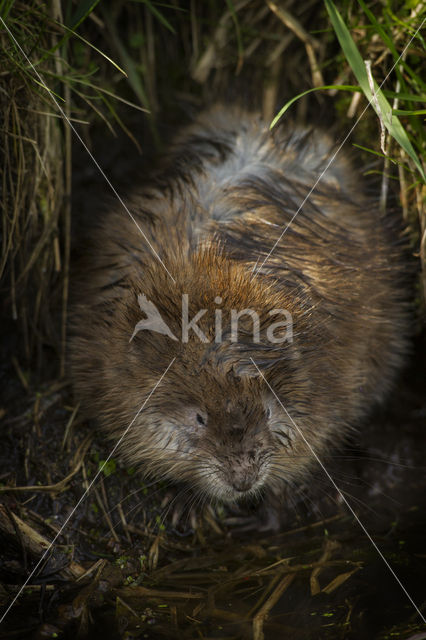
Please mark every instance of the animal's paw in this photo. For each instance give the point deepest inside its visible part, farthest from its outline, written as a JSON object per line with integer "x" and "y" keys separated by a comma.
{"x": 263, "y": 519}
{"x": 185, "y": 516}
{"x": 178, "y": 512}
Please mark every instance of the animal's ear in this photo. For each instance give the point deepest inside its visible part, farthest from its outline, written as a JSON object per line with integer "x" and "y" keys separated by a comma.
{"x": 246, "y": 369}
{"x": 256, "y": 359}
{"x": 250, "y": 360}
{"x": 233, "y": 360}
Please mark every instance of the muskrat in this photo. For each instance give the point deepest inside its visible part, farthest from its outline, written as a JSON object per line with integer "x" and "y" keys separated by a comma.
{"x": 330, "y": 302}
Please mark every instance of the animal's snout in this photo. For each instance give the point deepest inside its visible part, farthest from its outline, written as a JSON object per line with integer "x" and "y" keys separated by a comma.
{"x": 243, "y": 474}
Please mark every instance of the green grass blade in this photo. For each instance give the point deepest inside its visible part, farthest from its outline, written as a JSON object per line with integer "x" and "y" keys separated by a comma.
{"x": 396, "y": 161}
{"x": 402, "y": 112}
{"x": 381, "y": 105}
{"x": 81, "y": 13}
{"x": 89, "y": 44}
{"x": 155, "y": 12}
{"x": 373, "y": 151}
{"x": 83, "y": 10}
{"x": 409, "y": 97}
{"x": 133, "y": 74}
{"x": 5, "y": 7}
{"x": 341, "y": 87}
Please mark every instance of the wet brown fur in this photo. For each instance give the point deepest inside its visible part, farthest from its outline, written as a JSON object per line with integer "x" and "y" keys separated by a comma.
{"x": 226, "y": 191}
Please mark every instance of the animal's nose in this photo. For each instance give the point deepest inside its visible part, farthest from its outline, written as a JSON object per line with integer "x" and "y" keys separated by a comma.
{"x": 242, "y": 484}
{"x": 243, "y": 475}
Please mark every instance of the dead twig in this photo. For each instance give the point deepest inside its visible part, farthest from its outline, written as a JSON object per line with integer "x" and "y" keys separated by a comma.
{"x": 311, "y": 44}
{"x": 261, "y": 616}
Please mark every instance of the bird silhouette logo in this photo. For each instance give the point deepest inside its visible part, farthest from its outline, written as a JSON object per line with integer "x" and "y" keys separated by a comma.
{"x": 153, "y": 320}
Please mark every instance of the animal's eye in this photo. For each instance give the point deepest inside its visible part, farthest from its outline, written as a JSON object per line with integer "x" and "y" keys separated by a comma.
{"x": 268, "y": 412}
{"x": 200, "y": 419}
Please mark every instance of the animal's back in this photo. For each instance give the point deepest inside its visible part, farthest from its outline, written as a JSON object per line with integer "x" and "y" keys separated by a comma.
{"x": 287, "y": 206}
